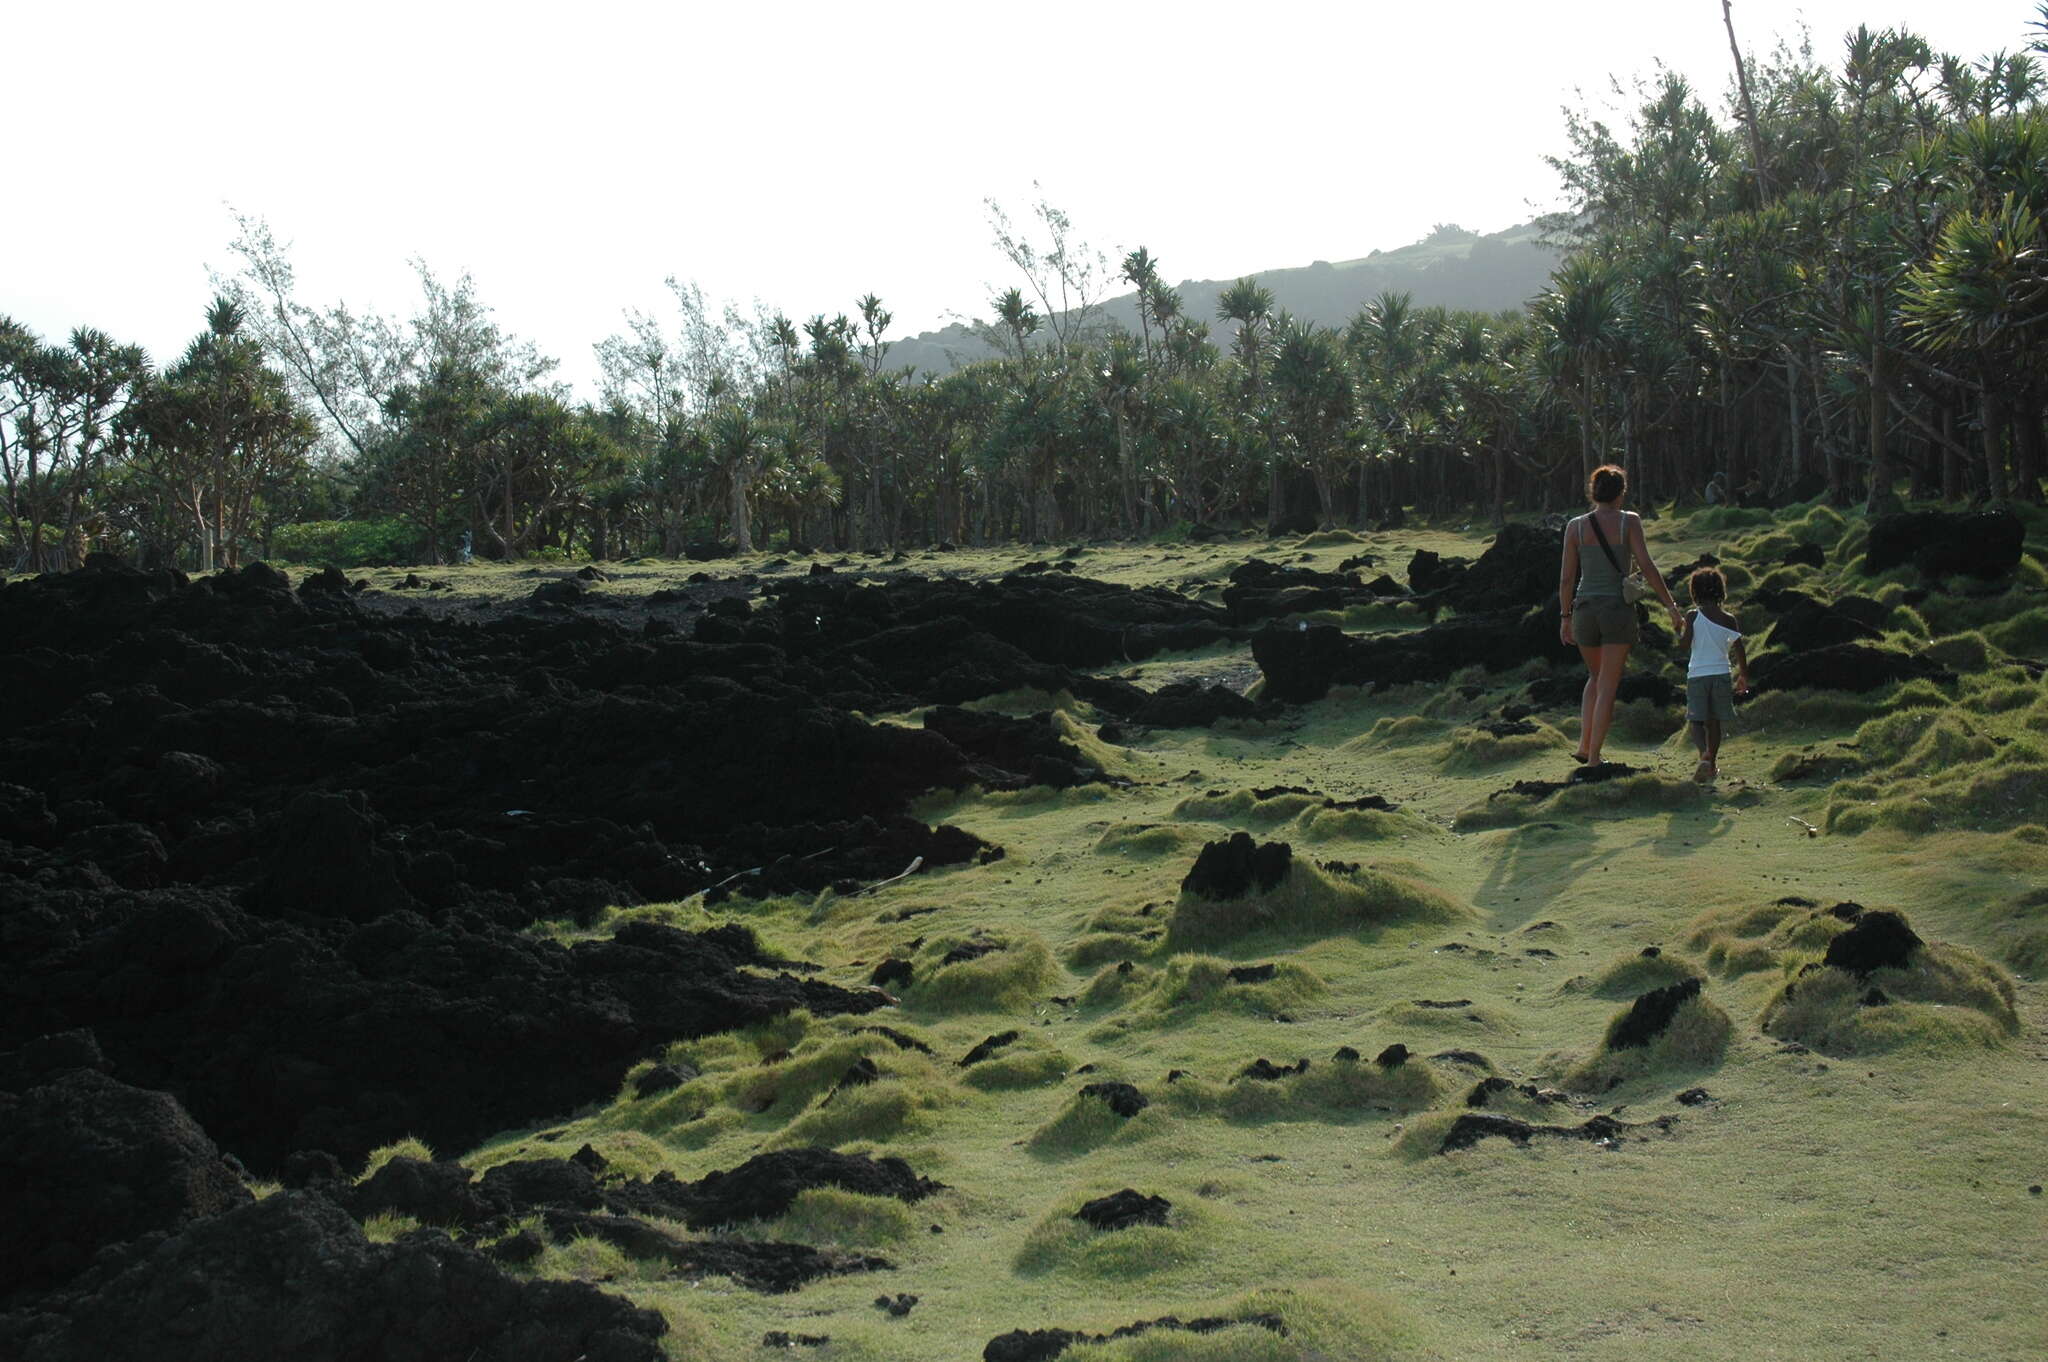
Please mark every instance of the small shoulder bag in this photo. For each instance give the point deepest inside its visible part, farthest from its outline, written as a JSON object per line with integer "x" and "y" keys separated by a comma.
{"x": 1633, "y": 587}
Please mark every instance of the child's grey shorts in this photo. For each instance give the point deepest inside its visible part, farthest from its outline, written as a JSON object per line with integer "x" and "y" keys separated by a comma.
{"x": 1709, "y": 697}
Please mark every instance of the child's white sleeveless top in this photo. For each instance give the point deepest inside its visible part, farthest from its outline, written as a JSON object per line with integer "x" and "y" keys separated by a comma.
{"x": 1710, "y": 643}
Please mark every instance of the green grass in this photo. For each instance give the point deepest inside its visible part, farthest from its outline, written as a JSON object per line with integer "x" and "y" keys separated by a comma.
{"x": 1853, "y": 1200}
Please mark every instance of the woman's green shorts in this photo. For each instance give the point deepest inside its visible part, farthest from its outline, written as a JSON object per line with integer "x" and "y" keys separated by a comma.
{"x": 1601, "y": 620}
{"x": 1709, "y": 697}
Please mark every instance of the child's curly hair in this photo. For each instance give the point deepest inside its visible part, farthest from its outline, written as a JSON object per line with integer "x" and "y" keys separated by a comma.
{"x": 1707, "y": 586}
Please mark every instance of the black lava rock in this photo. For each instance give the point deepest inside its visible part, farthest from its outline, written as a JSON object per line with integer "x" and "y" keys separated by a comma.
{"x": 1650, "y": 1015}
{"x": 1122, "y": 1098}
{"x": 1231, "y": 869}
{"x": 1879, "y": 940}
{"x": 1976, "y": 543}
{"x": 1121, "y": 1210}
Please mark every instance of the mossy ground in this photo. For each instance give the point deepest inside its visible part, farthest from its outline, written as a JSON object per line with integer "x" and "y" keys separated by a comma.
{"x": 1869, "y": 1201}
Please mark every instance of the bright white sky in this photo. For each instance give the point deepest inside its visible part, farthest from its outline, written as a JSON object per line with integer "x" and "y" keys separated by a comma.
{"x": 570, "y": 156}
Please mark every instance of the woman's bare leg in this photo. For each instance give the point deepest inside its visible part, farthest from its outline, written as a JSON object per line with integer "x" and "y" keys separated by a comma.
{"x": 1586, "y": 698}
{"x": 1606, "y": 680}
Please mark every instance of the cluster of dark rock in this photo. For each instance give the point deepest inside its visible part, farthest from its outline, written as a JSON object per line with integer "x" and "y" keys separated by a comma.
{"x": 1041, "y": 1345}
{"x": 132, "y": 1237}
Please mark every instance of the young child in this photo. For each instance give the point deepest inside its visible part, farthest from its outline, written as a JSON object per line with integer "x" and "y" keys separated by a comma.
{"x": 1712, "y": 634}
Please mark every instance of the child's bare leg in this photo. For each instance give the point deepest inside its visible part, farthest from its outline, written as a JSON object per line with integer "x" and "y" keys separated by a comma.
{"x": 1699, "y": 737}
{"x": 1712, "y": 751}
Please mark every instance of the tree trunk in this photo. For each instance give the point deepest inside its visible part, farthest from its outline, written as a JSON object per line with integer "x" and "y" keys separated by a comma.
{"x": 2026, "y": 448}
{"x": 742, "y": 530}
{"x": 1994, "y": 442}
{"x": 1881, "y": 475}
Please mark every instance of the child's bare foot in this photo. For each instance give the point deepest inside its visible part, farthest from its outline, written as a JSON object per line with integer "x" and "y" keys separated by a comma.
{"x": 1703, "y": 774}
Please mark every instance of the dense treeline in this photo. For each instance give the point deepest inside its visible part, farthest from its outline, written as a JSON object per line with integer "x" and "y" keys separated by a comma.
{"x": 1839, "y": 290}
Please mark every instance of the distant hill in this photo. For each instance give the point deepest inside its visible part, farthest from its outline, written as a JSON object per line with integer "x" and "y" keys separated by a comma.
{"x": 1451, "y": 267}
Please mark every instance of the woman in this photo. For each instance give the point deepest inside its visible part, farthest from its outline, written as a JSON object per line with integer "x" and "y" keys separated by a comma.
{"x": 1596, "y": 618}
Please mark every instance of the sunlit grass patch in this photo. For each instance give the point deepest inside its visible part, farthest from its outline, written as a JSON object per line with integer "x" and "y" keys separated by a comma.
{"x": 1150, "y": 840}
{"x": 410, "y": 1147}
{"x": 1648, "y": 792}
{"x": 1029, "y": 1063}
{"x": 878, "y": 1111}
{"x": 1358, "y": 825}
{"x": 1086, "y": 1123}
{"x": 1398, "y": 730}
{"x": 1475, "y": 749}
{"x": 1243, "y": 808}
{"x": 386, "y": 1226}
{"x": 1011, "y": 976}
{"x": 833, "y": 1215}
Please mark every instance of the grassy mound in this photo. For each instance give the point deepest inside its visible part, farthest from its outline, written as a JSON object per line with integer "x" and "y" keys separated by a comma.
{"x": 1635, "y": 973}
{"x": 1019, "y": 970}
{"x": 1695, "y": 1039}
{"x": 1311, "y": 901}
{"x": 1648, "y": 792}
{"x": 1061, "y": 1243}
{"x": 1947, "y": 998}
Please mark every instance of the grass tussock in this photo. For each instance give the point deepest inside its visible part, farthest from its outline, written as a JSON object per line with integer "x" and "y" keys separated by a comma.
{"x": 1475, "y": 749}
{"x": 1357, "y": 825}
{"x": 1099, "y": 948}
{"x": 1012, "y": 976}
{"x": 410, "y": 1147}
{"x": 1738, "y": 941}
{"x": 832, "y": 1215}
{"x": 1633, "y": 974}
{"x": 1241, "y": 808}
{"x": 875, "y": 1112}
{"x": 1638, "y": 794}
{"x": 1030, "y": 1063}
{"x": 1336, "y": 1090}
{"x": 1400, "y": 730}
{"x": 1311, "y": 901}
{"x": 1192, "y": 982}
{"x": 1149, "y": 841}
{"x": 1948, "y": 998}
{"x": 1062, "y": 1244}
{"x": 1324, "y": 1319}
{"x": 1086, "y": 1123}
{"x": 1696, "y": 1039}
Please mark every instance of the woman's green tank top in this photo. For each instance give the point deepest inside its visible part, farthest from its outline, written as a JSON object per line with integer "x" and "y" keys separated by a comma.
{"x": 1597, "y": 576}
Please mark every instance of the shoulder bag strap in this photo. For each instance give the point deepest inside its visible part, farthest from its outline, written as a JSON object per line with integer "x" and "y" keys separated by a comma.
{"x": 1605, "y": 547}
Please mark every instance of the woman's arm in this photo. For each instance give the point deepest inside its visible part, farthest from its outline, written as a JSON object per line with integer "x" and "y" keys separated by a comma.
{"x": 1655, "y": 578}
{"x": 1567, "y": 580}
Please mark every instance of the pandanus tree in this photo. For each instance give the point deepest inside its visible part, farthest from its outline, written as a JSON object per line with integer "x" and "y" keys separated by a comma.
{"x": 1120, "y": 388}
{"x": 737, "y": 446}
{"x": 1983, "y": 298}
{"x": 1316, "y": 404}
{"x": 218, "y": 428}
{"x": 1582, "y": 322}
